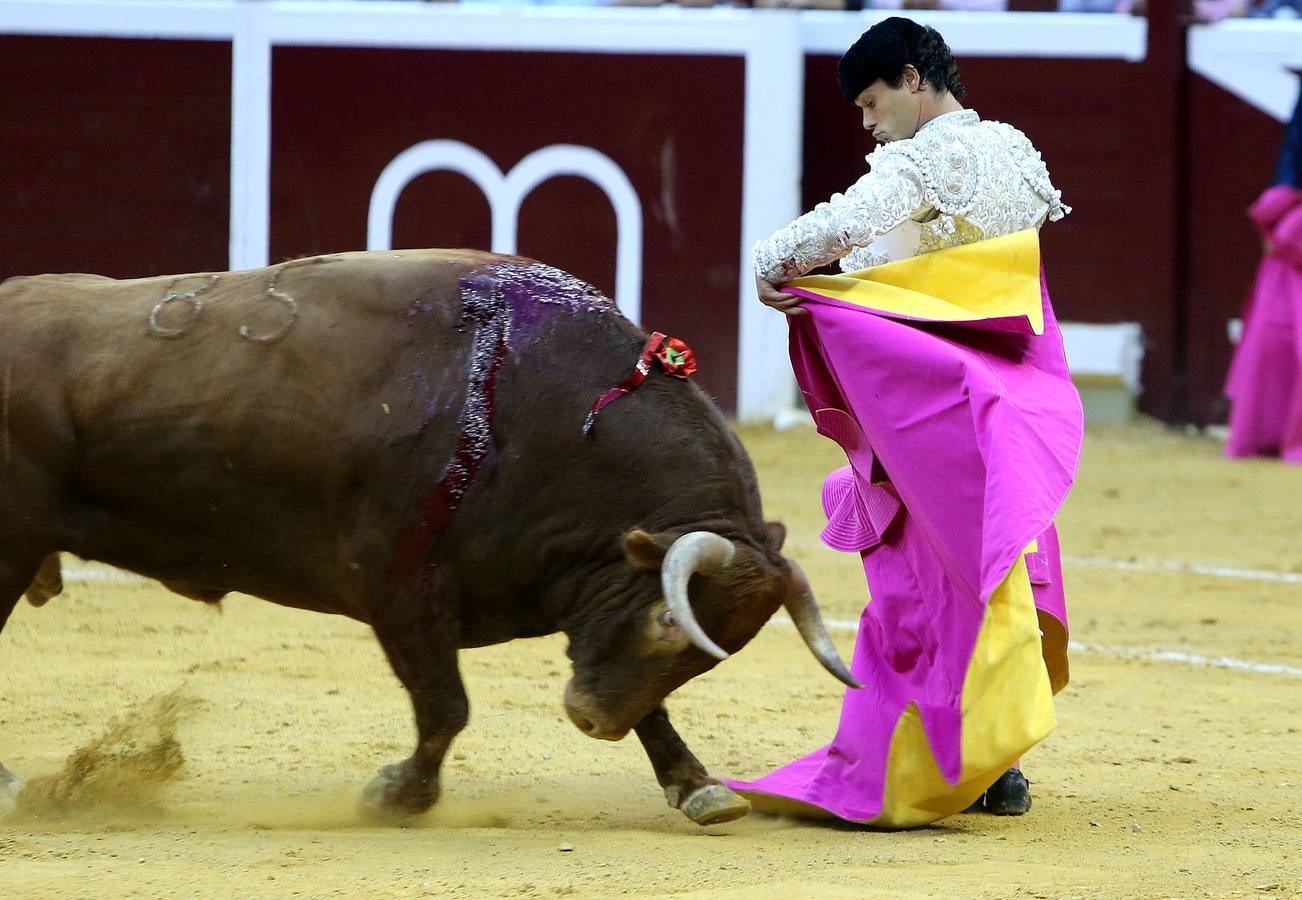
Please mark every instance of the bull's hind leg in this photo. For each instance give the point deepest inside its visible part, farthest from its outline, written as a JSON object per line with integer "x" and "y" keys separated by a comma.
{"x": 687, "y": 785}
{"x": 419, "y": 635}
{"x": 9, "y": 783}
{"x": 14, "y": 579}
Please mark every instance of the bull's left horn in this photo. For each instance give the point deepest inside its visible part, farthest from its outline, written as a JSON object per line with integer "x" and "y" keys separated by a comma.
{"x": 803, "y": 609}
{"x": 698, "y": 551}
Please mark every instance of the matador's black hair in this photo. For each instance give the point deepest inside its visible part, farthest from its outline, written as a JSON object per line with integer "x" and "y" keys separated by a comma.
{"x": 885, "y": 49}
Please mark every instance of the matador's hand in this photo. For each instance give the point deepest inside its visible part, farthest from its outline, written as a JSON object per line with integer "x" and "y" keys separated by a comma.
{"x": 785, "y": 303}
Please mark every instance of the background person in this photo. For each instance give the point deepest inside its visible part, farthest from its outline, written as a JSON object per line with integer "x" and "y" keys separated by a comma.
{"x": 1264, "y": 384}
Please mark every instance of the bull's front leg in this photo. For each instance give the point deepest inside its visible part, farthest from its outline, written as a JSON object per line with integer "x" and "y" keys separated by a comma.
{"x": 687, "y": 785}
{"x": 419, "y": 637}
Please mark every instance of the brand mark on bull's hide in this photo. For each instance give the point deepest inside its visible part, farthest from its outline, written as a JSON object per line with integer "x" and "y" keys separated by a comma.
{"x": 195, "y": 297}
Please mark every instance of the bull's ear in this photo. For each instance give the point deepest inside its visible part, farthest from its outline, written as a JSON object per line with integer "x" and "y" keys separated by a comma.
{"x": 646, "y": 551}
{"x": 777, "y": 535}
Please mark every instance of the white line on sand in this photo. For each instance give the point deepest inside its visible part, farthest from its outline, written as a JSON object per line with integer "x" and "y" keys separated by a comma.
{"x": 1157, "y": 565}
{"x": 1188, "y": 659}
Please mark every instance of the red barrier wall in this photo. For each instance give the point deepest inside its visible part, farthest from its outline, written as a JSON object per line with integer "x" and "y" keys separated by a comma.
{"x": 115, "y": 155}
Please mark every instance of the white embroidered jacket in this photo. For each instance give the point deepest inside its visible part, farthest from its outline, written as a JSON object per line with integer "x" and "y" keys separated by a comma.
{"x": 956, "y": 181}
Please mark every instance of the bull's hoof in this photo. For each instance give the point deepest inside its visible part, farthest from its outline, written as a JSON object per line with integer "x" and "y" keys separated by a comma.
{"x": 713, "y": 804}
{"x": 1010, "y": 795}
{"x": 389, "y": 796}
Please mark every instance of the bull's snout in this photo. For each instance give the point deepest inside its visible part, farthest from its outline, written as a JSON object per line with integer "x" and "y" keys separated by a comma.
{"x": 588, "y": 718}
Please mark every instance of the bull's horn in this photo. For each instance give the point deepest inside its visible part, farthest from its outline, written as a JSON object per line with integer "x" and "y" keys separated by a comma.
{"x": 803, "y": 609}
{"x": 699, "y": 551}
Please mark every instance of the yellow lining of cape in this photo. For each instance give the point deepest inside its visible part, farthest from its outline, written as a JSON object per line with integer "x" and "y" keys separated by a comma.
{"x": 992, "y": 279}
{"x": 1006, "y": 705}
{"x": 1006, "y": 708}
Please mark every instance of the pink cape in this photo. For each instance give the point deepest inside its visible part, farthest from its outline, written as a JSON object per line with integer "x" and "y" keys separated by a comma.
{"x": 1264, "y": 383}
{"x": 963, "y": 439}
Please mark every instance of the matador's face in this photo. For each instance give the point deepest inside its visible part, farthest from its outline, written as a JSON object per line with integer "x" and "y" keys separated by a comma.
{"x": 893, "y": 113}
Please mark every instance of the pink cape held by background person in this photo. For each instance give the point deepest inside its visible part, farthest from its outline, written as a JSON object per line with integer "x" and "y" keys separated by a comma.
{"x": 943, "y": 378}
{"x": 1265, "y": 379}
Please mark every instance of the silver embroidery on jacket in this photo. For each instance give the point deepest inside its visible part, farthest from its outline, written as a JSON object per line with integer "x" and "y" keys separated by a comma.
{"x": 958, "y": 180}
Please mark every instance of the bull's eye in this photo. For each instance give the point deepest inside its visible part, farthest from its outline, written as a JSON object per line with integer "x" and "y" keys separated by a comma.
{"x": 664, "y": 636}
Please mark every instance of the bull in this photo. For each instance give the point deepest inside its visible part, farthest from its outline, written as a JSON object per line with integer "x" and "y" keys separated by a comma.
{"x": 398, "y": 437}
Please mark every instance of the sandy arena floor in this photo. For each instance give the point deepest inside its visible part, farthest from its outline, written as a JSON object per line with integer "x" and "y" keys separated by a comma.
{"x": 1165, "y": 778}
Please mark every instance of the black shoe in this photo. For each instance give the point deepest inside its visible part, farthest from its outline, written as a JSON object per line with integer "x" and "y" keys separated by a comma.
{"x": 1010, "y": 795}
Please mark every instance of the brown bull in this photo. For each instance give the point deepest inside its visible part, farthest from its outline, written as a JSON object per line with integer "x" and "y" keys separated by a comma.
{"x": 397, "y": 438}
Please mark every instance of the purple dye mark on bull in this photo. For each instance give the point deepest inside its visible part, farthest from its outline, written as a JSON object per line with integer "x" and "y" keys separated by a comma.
{"x": 485, "y": 307}
{"x": 499, "y": 300}
{"x": 536, "y": 291}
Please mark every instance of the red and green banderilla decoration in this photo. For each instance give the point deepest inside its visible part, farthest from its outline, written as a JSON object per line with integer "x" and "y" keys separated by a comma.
{"x": 675, "y": 358}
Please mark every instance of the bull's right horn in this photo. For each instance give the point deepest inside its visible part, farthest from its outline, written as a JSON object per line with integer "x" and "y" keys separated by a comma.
{"x": 698, "y": 551}
{"x": 803, "y": 609}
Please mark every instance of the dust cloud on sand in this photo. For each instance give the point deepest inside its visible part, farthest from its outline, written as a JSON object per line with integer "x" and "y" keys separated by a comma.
{"x": 123, "y": 770}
